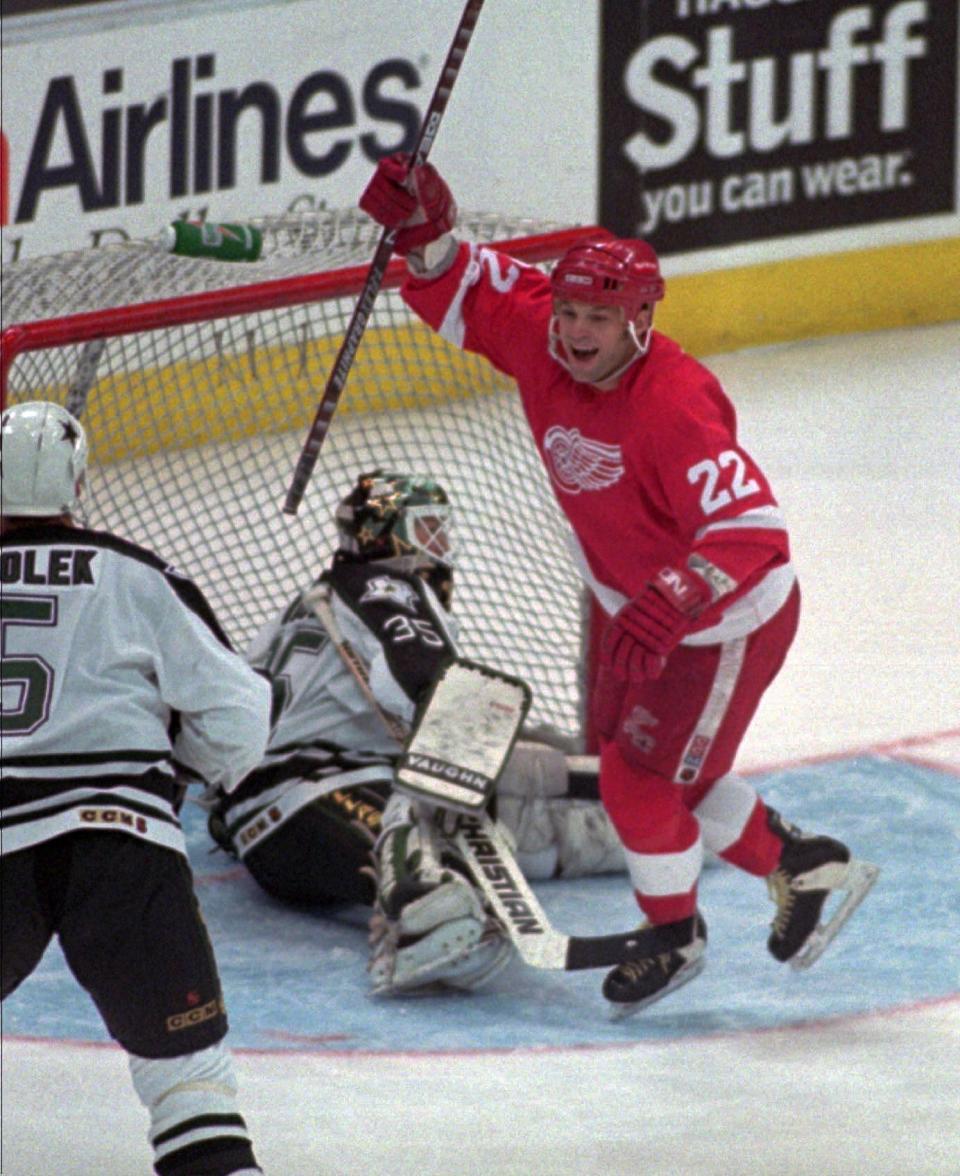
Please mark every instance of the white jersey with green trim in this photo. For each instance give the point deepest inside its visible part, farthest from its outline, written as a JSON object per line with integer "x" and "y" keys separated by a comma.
{"x": 115, "y": 677}
{"x": 324, "y": 728}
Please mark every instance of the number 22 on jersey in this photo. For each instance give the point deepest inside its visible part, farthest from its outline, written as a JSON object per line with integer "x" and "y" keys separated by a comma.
{"x": 729, "y": 470}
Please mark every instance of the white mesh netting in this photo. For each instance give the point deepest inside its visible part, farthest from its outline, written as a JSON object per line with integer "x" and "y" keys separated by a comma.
{"x": 195, "y": 431}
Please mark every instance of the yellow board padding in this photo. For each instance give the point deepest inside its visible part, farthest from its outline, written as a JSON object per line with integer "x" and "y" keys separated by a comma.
{"x": 274, "y": 389}
{"x": 834, "y": 294}
{"x": 277, "y": 387}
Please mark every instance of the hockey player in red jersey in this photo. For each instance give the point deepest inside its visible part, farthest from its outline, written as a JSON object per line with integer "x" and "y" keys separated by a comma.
{"x": 682, "y": 542}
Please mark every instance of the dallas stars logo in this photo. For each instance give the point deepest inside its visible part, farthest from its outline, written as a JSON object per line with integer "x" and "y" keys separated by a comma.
{"x": 386, "y": 588}
{"x": 365, "y": 535}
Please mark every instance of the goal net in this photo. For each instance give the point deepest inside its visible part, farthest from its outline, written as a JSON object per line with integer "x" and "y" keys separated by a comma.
{"x": 198, "y": 379}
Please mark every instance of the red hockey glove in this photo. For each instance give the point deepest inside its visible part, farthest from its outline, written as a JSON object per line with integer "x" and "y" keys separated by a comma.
{"x": 418, "y": 203}
{"x": 647, "y": 629}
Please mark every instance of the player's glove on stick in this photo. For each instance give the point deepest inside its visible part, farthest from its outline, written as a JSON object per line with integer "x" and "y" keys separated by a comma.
{"x": 416, "y": 203}
{"x": 648, "y": 628}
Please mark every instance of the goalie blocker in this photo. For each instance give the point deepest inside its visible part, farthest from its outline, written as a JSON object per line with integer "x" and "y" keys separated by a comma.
{"x": 462, "y": 737}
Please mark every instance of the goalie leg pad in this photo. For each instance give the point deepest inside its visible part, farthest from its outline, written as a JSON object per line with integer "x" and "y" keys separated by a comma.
{"x": 488, "y": 958}
{"x": 445, "y": 936}
{"x": 555, "y": 837}
{"x": 587, "y": 842}
{"x": 532, "y": 773}
{"x": 430, "y": 925}
{"x": 452, "y": 901}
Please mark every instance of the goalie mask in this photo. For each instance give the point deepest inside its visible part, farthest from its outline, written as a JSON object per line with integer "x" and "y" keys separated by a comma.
{"x": 42, "y": 460}
{"x": 403, "y": 520}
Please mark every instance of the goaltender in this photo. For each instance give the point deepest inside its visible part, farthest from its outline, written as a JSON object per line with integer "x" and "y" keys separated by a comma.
{"x": 318, "y": 821}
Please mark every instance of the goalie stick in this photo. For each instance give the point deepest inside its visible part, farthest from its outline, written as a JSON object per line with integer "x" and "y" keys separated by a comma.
{"x": 537, "y": 941}
{"x": 493, "y": 865}
{"x": 378, "y": 267}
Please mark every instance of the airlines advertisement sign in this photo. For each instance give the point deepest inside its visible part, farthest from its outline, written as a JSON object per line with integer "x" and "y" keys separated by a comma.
{"x": 726, "y": 121}
{"x": 692, "y": 122}
{"x": 111, "y": 136}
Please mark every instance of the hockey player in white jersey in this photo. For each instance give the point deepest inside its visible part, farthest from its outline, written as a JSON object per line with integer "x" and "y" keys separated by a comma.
{"x": 305, "y": 821}
{"x": 118, "y": 686}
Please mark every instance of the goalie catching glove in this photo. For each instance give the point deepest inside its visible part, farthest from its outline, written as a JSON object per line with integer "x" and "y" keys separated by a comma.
{"x": 415, "y": 202}
{"x": 429, "y": 925}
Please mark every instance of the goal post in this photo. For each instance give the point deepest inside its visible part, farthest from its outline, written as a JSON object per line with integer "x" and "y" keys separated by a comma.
{"x": 196, "y": 380}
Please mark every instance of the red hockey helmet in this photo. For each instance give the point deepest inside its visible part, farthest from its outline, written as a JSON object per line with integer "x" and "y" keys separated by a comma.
{"x": 609, "y": 271}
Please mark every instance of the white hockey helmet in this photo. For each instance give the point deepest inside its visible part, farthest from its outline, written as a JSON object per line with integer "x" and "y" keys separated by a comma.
{"x": 43, "y": 456}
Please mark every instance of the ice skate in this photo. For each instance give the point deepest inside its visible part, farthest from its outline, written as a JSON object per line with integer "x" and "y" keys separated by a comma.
{"x": 632, "y": 986}
{"x": 810, "y": 868}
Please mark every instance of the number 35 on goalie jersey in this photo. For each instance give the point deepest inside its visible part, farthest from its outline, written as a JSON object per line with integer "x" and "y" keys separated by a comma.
{"x": 399, "y": 628}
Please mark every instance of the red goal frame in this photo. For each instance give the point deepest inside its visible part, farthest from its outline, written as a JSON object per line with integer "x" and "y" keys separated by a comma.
{"x": 271, "y": 295}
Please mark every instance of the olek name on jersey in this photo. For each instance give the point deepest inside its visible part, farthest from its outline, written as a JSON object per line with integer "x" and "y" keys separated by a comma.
{"x": 54, "y": 566}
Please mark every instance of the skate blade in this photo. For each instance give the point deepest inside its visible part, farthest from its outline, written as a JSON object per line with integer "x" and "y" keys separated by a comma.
{"x": 620, "y": 1012}
{"x": 858, "y": 882}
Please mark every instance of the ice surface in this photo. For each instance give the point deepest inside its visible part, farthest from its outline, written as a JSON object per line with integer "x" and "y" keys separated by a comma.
{"x": 851, "y": 1068}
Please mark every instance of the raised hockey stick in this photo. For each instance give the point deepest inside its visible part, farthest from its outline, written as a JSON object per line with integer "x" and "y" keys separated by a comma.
{"x": 378, "y": 267}
{"x": 84, "y": 376}
{"x": 493, "y": 865}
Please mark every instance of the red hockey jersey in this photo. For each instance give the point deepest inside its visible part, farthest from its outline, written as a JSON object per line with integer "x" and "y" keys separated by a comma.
{"x": 649, "y": 473}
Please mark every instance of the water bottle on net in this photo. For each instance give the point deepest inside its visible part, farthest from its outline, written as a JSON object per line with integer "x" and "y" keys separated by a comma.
{"x": 203, "y": 239}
